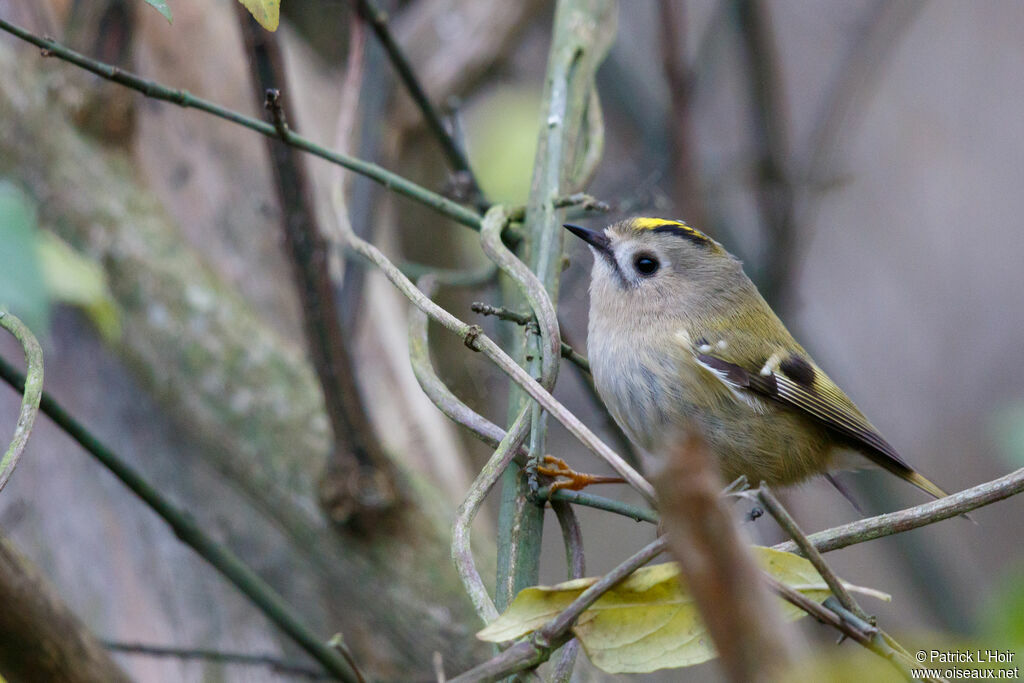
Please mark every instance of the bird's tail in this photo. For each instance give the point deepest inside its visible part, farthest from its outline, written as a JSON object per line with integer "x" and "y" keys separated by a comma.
{"x": 922, "y": 483}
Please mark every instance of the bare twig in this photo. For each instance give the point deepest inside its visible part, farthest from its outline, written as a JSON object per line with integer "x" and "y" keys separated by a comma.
{"x": 917, "y": 516}
{"x": 189, "y": 532}
{"x": 786, "y": 521}
{"x": 538, "y": 646}
{"x": 337, "y": 642}
{"x": 687, "y": 192}
{"x": 41, "y": 639}
{"x": 532, "y": 289}
{"x": 835, "y": 615}
{"x": 462, "y": 552}
{"x": 378, "y": 19}
{"x": 634, "y": 512}
{"x": 842, "y": 603}
{"x": 484, "y": 429}
{"x": 358, "y": 484}
{"x": 435, "y": 389}
{"x": 567, "y": 352}
{"x": 475, "y": 339}
{"x": 31, "y": 395}
{"x": 572, "y": 537}
{"x": 276, "y": 664}
{"x": 182, "y": 98}
{"x": 771, "y": 122}
{"x": 520, "y": 519}
{"x": 752, "y": 640}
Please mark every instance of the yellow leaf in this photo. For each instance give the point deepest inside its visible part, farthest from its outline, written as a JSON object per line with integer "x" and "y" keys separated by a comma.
{"x": 73, "y": 279}
{"x": 266, "y": 12}
{"x": 649, "y": 621}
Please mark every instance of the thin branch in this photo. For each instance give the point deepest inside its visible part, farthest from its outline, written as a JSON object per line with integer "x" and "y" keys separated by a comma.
{"x": 768, "y": 110}
{"x": 572, "y": 537}
{"x": 378, "y": 20}
{"x": 569, "y": 144}
{"x": 337, "y": 642}
{"x": 567, "y": 352}
{"x": 537, "y": 647}
{"x": 30, "y": 399}
{"x": 520, "y": 519}
{"x": 484, "y": 429}
{"x": 462, "y": 552}
{"x": 276, "y": 664}
{"x": 41, "y": 639}
{"x": 746, "y": 625}
{"x": 687, "y": 191}
{"x": 789, "y": 525}
{"x": 831, "y": 613}
{"x": 581, "y": 201}
{"x": 183, "y": 98}
{"x": 532, "y": 289}
{"x": 474, "y": 338}
{"x": 531, "y": 650}
{"x": 359, "y": 481}
{"x": 435, "y": 389}
{"x": 912, "y": 518}
{"x": 189, "y": 532}
{"x": 842, "y": 603}
{"x": 634, "y": 512}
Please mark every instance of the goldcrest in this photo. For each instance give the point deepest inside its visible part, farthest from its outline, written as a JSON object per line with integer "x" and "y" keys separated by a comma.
{"x": 680, "y": 336}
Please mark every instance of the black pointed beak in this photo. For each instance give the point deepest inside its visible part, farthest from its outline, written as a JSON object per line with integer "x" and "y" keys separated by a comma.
{"x": 595, "y": 238}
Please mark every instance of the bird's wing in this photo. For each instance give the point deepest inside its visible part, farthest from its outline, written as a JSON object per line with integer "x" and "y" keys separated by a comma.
{"x": 792, "y": 379}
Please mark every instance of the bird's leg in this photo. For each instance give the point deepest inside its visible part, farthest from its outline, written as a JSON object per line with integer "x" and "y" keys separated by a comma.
{"x": 574, "y": 481}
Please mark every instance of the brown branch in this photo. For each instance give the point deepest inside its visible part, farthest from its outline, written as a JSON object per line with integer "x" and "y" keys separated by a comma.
{"x": 40, "y": 638}
{"x": 276, "y": 664}
{"x": 687, "y": 194}
{"x": 358, "y": 484}
{"x": 456, "y": 156}
{"x": 770, "y": 121}
{"x": 537, "y": 647}
{"x": 920, "y": 515}
{"x": 572, "y": 537}
{"x": 752, "y": 640}
{"x": 789, "y": 525}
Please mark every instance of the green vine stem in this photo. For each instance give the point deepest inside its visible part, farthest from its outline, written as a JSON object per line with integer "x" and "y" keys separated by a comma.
{"x": 189, "y": 532}
{"x": 183, "y": 98}
{"x": 32, "y": 394}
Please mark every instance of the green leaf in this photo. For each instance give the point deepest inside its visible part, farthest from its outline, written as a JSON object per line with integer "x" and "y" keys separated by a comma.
{"x": 649, "y": 621}
{"x": 266, "y": 12}
{"x": 161, "y": 7}
{"x": 74, "y": 279}
{"x": 22, "y": 288}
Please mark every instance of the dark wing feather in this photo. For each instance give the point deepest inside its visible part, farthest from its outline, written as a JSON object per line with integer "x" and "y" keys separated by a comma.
{"x": 817, "y": 396}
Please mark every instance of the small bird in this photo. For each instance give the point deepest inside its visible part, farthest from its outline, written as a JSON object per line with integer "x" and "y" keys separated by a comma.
{"x": 680, "y": 336}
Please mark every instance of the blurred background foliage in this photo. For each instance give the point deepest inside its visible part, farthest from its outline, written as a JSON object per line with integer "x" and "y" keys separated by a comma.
{"x": 896, "y": 144}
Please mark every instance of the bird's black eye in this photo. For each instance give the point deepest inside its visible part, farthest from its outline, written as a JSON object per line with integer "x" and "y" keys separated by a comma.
{"x": 646, "y": 264}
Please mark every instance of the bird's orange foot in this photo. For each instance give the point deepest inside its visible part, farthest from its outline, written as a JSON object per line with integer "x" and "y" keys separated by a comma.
{"x": 573, "y": 480}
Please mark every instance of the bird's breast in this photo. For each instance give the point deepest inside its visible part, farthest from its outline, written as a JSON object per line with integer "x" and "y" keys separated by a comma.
{"x": 649, "y": 383}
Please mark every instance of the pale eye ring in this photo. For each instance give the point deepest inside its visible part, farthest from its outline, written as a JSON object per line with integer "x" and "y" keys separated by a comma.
{"x": 646, "y": 264}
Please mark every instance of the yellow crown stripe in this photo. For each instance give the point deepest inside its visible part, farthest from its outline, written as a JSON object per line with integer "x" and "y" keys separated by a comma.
{"x": 643, "y": 223}
{"x": 652, "y": 223}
